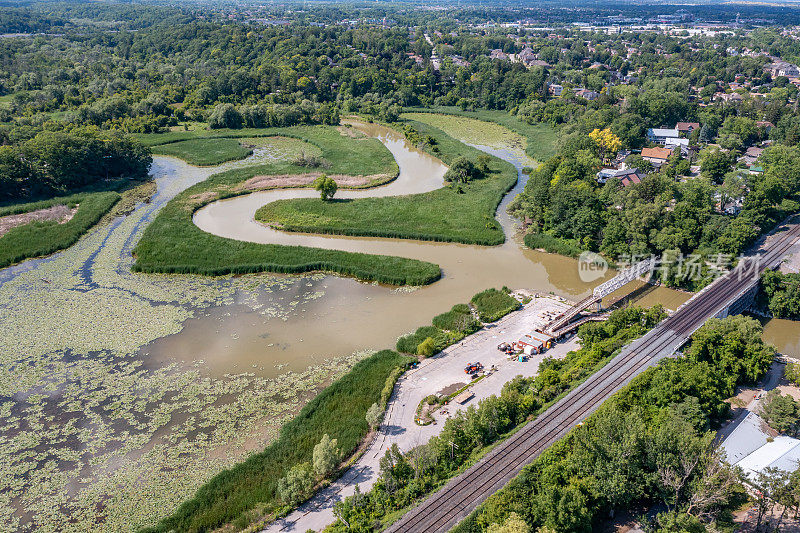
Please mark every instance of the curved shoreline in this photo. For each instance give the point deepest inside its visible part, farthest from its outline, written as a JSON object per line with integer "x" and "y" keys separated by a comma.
{"x": 234, "y": 218}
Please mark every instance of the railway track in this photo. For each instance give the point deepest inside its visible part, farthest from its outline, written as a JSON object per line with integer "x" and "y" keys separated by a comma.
{"x": 445, "y": 508}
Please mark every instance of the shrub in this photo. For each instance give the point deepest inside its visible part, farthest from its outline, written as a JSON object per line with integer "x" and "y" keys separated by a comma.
{"x": 459, "y": 318}
{"x": 492, "y": 304}
{"x": 462, "y": 170}
{"x": 326, "y": 455}
{"x": 374, "y": 415}
{"x": 409, "y": 343}
{"x": 427, "y": 347}
{"x": 296, "y": 485}
{"x": 225, "y": 116}
{"x": 551, "y": 244}
{"x": 311, "y": 161}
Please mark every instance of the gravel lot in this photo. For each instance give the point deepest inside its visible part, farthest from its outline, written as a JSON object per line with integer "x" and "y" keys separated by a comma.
{"x": 433, "y": 375}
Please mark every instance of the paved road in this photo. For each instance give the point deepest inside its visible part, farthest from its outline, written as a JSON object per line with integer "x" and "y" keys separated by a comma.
{"x": 430, "y": 377}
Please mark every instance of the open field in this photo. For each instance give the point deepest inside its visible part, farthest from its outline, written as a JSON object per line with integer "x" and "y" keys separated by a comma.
{"x": 460, "y": 213}
{"x": 171, "y": 243}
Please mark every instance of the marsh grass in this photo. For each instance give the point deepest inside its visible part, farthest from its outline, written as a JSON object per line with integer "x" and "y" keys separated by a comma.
{"x": 541, "y": 138}
{"x": 459, "y": 318}
{"x": 173, "y": 244}
{"x": 204, "y": 152}
{"x": 552, "y": 244}
{"x": 463, "y": 214}
{"x": 493, "y": 304}
{"x": 41, "y": 238}
{"x": 339, "y": 410}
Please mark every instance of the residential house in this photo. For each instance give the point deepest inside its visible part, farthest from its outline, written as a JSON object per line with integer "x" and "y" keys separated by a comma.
{"x": 587, "y": 94}
{"x": 660, "y": 135}
{"x": 782, "y": 68}
{"x": 537, "y": 63}
{"x": 555, "y": 89}
{"x": 498, "y": 54}
{"x": 627, "y": 176}
{"x": 459, "y": 61}
{"x": 751, "y": 155}
{"x": 767, "y": 125}
{"x": 672, "y": 142}
{"x": 686, "y": 128}
{"x": 729, "y": 97}
{"x": 732, "y": 206}
{"x": 526, "y": 55}
{"x": 657, "y": 156}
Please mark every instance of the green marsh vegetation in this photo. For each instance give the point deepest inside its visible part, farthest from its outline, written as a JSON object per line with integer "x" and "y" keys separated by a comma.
{"x": 214, "y": 147}
{"x": 481, "y": 128}
{"x": 39, "y": 238}
{"x": 450, "y": 327}
{"x": 460, "y": 212}
{"x": 248, "y": 490}
{"x": 171, "y": 242}
{"x": 204, "y": 152}
{"x": 554, "y": 245}
{"x": 493, "y": 304}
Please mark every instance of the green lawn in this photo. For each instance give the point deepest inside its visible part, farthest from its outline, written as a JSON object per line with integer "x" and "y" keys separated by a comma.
{"x": 339, "y": 411}
{"x": 37, "y": 239}
{"x": 172, "y": 243}
{"x": 204, "y": 152}
{"x": 541, "y": 137}
{"x": 447, "y": 214}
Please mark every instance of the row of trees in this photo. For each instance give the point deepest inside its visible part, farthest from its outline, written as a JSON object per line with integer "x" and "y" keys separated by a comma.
{"x": 783, "y": 294}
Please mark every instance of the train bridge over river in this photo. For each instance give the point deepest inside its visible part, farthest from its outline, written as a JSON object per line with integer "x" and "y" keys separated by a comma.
{"x": 463, "y": 494}
{"x": 559, "y": 326}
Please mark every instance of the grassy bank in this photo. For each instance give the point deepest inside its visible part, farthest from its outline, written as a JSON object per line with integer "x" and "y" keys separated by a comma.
{"x": 462, "y": 213}
{"x": 492, "y": 304}
{"x": 450, "y": 327}
{"x": 37, "y": 239}
{"x": 541, "y": 138}
{"x": 172, "y": 243}
{"x": 339, "y": 410}
{"x": 204, "y": 152}
{"x": 551, "y": 244}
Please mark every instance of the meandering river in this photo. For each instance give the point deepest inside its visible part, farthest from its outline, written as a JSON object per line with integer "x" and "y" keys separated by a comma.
{"x": 126, "y": 372}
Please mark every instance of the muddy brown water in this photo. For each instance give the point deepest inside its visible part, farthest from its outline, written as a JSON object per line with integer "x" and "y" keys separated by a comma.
{"x": 337, "y": 316}
{"x": 784, "y": 335}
